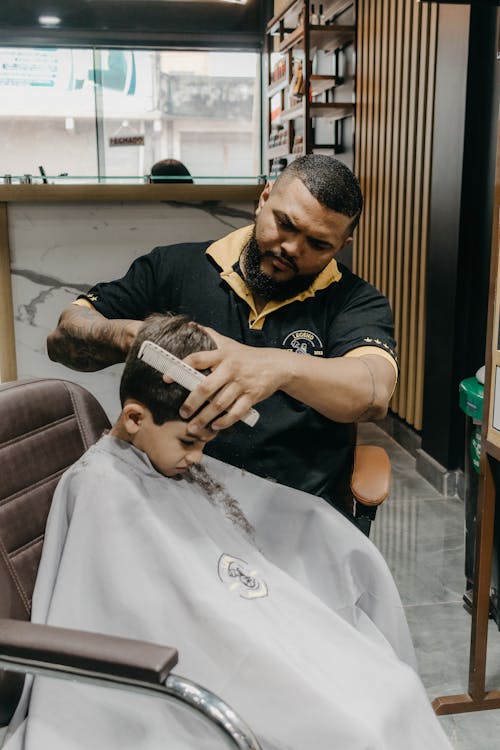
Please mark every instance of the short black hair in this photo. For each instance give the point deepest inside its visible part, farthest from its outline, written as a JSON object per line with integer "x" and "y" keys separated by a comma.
{"x": 139, "y": 381}
{"x": 330, "y": 182}
{"x": 170, "y": 169}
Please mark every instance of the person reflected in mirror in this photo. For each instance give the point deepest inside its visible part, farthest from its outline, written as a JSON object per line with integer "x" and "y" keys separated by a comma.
{"x": 170, "y": 171}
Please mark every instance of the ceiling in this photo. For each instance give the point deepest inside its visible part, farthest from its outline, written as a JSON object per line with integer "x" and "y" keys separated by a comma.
{"x": 142, "y": 23}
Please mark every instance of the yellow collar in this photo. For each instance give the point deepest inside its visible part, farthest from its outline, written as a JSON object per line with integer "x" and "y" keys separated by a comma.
{"x": 226, "y": 252}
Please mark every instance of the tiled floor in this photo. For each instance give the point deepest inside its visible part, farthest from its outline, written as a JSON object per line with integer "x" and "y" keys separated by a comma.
{"x": 421, "y": 535}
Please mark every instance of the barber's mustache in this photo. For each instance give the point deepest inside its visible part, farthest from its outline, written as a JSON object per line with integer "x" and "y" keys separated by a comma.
{"x": 282, "y": 255}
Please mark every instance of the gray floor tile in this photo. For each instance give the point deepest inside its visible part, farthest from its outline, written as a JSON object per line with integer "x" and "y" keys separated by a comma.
{"x": 477, "y": 731}
{"x": 423, "y": 541}
{"x": 441, "y": 634}
{"x": 421, "y": 535}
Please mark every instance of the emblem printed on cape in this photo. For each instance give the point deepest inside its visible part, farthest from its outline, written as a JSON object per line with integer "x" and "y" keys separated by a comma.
{"x": 303, "y": 342}
{"x": 240, "y": 578}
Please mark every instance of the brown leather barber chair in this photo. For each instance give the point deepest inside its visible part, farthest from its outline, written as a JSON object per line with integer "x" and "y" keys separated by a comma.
{"x": 45, "y": 426}
{"x": 369, "y": 484}
{"x": 365, "y": 484}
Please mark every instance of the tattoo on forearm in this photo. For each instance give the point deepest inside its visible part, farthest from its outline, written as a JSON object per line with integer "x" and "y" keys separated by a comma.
{"x": 85, "y": 340}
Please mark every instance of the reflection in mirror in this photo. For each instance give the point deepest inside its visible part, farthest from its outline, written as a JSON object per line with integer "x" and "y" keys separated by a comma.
{"x": 111, "y": 114}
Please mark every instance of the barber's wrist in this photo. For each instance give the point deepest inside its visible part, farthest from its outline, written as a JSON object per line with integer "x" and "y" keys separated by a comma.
{"x": 129, "y": 331}
{"x": 285, "y": 366}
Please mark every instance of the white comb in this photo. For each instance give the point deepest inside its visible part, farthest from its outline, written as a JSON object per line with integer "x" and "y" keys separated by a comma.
{"x": 168, "y": 364}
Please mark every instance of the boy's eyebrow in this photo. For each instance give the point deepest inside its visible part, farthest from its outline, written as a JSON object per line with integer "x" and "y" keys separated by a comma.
{"x": 206, "y": 435}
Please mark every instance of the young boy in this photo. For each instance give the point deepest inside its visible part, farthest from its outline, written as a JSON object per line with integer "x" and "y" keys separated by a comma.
{"x": 150, "y": 420}
{"x": 150, "y": 408}
{"x": 298, "y": 626}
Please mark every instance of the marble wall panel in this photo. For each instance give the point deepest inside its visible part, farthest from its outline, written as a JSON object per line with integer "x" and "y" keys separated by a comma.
{"x": 60, "y": 250}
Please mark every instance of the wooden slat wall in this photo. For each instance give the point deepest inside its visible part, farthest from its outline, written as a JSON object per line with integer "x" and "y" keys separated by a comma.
{"x": 395, "y": 79}
{"x": 8, "y": 369}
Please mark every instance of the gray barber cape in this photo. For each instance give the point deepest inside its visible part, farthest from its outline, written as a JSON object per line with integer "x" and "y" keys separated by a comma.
{"x": 301, "y": 630}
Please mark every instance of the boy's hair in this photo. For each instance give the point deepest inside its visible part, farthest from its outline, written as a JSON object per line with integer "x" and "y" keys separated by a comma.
{"x": 181, "y": 337}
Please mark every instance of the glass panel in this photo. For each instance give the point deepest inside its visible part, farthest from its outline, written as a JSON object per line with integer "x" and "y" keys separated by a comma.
{"x": 47, "y": 116}
{"x": 114, "y": 113}
{"x": 128, "y": 179}
{"x": 201, "y": 108}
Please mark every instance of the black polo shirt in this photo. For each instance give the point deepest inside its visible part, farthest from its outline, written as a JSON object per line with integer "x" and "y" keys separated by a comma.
{"x": 339, "y": 313}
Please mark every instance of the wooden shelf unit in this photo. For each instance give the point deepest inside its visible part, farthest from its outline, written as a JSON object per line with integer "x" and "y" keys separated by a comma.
{"x": 291, "y": 38}
{"x": 330, "y": 110}
{"x": 322, "y": 38}
{"x": 290, "y": 14}
{"x": 320, "y": 83}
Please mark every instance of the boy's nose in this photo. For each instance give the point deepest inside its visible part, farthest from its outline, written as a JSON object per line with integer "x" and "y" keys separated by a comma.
{"x": 194, "y": 456}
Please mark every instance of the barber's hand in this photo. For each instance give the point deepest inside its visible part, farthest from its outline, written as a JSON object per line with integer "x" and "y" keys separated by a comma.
{"x": 241, "y": 377}
{"x": 130, "y": 330}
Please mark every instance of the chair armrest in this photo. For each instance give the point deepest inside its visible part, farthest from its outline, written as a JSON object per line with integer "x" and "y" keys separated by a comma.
{"x": 94, "y": 658}
{"x": 371, "y": 475}
{"x": 92, "y": 652}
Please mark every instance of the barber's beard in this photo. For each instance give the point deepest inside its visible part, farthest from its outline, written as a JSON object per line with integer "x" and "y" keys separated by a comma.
{"x": 265, "y": 286}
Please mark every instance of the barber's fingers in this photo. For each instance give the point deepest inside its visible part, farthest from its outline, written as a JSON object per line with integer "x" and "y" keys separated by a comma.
{"x": 237, "y": 411}
{"x": 204, "y": 360}
{"x": 199, "y": 361}
{"x": 221, "y": 402}
{"x": 219, "y": 339}
{"x": 208, "y": 389}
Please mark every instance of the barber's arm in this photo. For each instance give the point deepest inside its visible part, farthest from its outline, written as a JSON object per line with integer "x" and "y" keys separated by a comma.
{"x": 90, "y": 339}
{"x": 344, "y": 389}
{"x": 86, "y": 340}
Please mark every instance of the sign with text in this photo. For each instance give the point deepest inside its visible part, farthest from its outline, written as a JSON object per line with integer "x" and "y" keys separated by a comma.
{"x": 46, "y": 68}
{"x": 126, "y": 140}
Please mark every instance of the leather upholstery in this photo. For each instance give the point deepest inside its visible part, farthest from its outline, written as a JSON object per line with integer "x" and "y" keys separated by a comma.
{"x": 111, "y": 655}
{"x": 371, "y": 476}
{"x": 45, "y": 426}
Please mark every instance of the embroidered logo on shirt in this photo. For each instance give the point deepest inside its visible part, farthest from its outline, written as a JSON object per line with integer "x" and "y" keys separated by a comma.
{"x": 303, "y": 342}
{"x": 240, "y": 578}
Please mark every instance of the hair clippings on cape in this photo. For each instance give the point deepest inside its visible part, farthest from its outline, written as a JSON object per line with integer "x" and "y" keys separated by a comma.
{"x": 168, "y": 364}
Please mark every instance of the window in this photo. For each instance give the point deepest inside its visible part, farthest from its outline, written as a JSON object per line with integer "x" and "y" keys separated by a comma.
{"x": 47, "y": 116}
{"x": 113, "y": 113}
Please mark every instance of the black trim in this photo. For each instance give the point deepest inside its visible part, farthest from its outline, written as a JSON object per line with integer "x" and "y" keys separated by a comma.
{"x": 466, "y": 111}
{"x": 135, "y": 23}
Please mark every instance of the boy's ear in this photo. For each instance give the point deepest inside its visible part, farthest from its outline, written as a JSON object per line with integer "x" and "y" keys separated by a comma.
{"x": 133, "y": 416}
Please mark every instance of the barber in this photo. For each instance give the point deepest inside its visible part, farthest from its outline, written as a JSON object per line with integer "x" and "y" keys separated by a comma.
{"x": 269, "y": 294}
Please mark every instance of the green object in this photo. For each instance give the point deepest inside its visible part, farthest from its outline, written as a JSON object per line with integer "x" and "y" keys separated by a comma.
{"x": 471, "y": 398}
{"x": 475, "y": 447}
